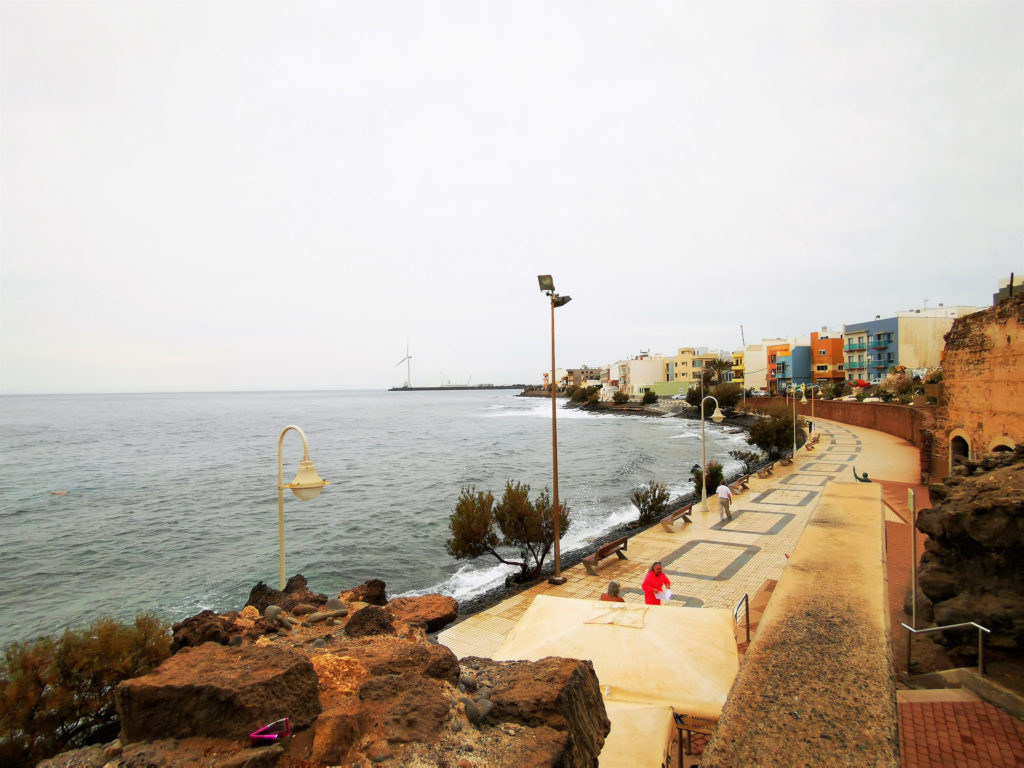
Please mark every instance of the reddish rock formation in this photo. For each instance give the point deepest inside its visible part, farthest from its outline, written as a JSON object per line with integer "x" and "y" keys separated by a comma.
{"x": 294, "y": 593}
{"x": 218, "y": 692}
{"x": 372, "y": 592}
{"x": 434, "y": 612}
{"x": 368, "y": 681}
{"x": 970, "y": 570}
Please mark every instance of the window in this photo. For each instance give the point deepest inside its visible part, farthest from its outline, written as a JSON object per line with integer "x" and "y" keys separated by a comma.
{"x": 820, "y": 352}
{"x": 818, "y": 368}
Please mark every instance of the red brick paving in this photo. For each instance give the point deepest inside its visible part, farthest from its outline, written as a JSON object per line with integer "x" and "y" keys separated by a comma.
{"x": 959, "y": 733}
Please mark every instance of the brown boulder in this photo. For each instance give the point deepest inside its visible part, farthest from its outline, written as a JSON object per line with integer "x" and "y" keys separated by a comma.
{"x": 969, "y": 570}
{"x": 393, "y": 656}
{"x": 218, "y": 692}
{"x": 561, "y": 694}
{"x": 370, "y": 620}
{"x": 434, "y": 612}
{"x": 372, "y": 592}
{"x": 204, "y": 627}
{"x": 295, "y": 592}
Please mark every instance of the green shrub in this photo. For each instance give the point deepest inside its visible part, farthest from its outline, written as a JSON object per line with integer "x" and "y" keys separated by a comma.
{"x": 714, "y": 479}
{"x": 651, "y": 500}
{"x": 620, "y": 397}
{"x": 525, "y": 526}
{"x": 774, "y": 436}
{"x": 57, "y": 693}
{"x": 650, "y": 396}
{"x": 749, "y": 459}
{"x": 727, "y": 394}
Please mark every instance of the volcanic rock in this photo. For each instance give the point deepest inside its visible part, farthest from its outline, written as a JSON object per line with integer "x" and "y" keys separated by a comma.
{"x": 373, "y": 592}
{"x": 295, "y": 592}
{"x": 218, "y": 692}
{"x": 201, "y": 628}
{"x": 370, "y": 620}
{"x": 970, "y": 569}
{"x": 434, "y": 612}
{"x": 556, "y": 693}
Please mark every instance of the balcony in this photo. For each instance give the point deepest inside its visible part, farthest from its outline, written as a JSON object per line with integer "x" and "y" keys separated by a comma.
{"x": 879, "y": 344}
{"x": 855, "y": 347}
{"x": 856, "y": 366}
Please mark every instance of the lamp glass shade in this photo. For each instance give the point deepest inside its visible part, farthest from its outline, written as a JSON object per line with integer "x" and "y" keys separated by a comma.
{"x": 561, "y": 301}
{"x": 546, "y": 283}
{"x": 307, "y": 483}
{"x": 803, "y": 398}
{"x": 717, "y": 416}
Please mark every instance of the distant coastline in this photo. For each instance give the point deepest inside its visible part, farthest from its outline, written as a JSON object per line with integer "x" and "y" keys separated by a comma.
{"x": 461, "y": 387}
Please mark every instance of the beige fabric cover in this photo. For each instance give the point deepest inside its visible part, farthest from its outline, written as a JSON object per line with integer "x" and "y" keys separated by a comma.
{"x": 683, "y": 657}
{"x": 641, "y": 735}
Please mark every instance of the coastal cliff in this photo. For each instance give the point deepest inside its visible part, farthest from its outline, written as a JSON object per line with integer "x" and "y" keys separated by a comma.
{"x": 361, "y": 683}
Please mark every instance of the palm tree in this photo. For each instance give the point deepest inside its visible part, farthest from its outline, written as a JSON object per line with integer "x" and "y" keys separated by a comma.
{"x": 719, "y": 367}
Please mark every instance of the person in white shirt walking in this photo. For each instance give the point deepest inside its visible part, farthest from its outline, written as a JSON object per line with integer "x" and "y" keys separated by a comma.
{"x": 724, "y": 499}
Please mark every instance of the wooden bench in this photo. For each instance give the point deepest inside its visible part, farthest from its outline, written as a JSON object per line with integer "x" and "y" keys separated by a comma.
{"x": 590, "y": 562}
{"x": 765, "y": 471}
{"x": 809, "y": 445}
{"x": 814, "y": 438}
{"x": 684, "y": 513}
{"x": 740, "y": 485}
{"x": 786, "y": 460}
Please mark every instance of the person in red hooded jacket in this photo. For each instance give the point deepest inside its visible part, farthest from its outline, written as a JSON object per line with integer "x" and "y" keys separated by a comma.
{"x": 655, "y": 581}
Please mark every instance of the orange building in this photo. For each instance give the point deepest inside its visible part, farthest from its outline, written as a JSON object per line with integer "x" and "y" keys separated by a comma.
{"x": 827, "y": 357}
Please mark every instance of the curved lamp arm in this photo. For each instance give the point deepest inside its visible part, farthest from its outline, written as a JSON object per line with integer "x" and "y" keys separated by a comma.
{"x": 306, "y": 485}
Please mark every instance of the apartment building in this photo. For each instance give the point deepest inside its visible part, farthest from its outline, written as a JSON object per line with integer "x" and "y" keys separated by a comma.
{"x": 912, "y": 339}
{"x": 827, "y": 357}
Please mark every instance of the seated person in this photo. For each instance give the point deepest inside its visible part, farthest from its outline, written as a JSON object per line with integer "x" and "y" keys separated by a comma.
{"x": 612, "y": 595}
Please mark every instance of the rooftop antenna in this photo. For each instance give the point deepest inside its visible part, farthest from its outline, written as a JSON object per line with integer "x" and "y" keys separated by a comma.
{"x": 408, "y": 365}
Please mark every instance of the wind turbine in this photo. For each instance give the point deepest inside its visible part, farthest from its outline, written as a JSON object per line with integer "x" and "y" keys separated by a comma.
{"x": 408, "y": 365}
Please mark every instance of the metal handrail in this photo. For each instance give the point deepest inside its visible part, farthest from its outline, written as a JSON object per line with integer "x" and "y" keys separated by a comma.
{"x": 981, "y": 645}
{"x": 745, "y": 600}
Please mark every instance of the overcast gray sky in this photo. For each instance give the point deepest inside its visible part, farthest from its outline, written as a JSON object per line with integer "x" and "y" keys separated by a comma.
{"x": 236, "y": 196}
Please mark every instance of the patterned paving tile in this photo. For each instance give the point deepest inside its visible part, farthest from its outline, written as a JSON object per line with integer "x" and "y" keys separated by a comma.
{"x": 801, "y": 478}
{"x": 827, "y": 466}
{"x": 788, "y": 498}
{"x": 709, "y": 560}
{"x": 756, "y": 522}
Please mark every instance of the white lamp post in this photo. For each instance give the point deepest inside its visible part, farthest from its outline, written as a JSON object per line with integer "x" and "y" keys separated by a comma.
{"x": 716, "y": 417}
{"x": 306, "y": 485}
{"x": 547, "y": 285}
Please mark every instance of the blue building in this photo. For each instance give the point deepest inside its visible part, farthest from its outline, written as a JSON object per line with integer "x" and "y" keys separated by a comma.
{"x": 870, "y": 349}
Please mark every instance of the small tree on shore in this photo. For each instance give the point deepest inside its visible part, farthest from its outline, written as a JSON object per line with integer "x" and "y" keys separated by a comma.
{"x": 650, "y": 397}
{"x": 749, "y": 459}
{"x": 620, "y": 397}
{"x": 480, "y": 528}
{"x": 774, "y": 436}
{"x": 714, "y": 478}
{"x": 651, "y": 500}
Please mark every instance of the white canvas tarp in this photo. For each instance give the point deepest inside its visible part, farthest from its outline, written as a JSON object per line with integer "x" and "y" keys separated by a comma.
{"x": 659, "y": 659}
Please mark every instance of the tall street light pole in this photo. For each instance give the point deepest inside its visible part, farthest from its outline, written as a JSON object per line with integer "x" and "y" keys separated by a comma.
{"x": 716, "y": 417}
{"x": 547, "y": 285}
{"x": 306, "y": 485}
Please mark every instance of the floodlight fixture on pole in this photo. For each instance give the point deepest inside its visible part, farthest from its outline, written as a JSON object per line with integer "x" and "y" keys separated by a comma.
{"x": 547, "y": 285}
{"x": 306, "y": 485}
{"x": 716, "y": 417}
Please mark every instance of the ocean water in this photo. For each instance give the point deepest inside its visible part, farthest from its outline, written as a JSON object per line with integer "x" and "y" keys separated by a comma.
{"x": 171, "y": 499}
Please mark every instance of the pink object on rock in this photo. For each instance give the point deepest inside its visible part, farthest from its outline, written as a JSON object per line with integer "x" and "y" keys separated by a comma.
{"x": 269, "y": 734}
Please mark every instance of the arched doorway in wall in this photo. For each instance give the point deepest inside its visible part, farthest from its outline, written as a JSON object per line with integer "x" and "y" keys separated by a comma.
{"x": 959, "y": 449}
